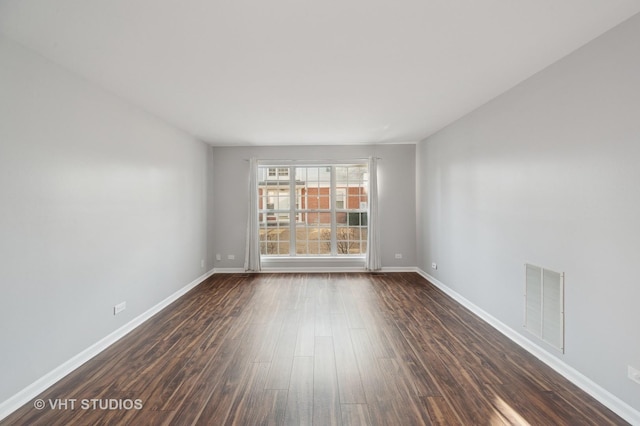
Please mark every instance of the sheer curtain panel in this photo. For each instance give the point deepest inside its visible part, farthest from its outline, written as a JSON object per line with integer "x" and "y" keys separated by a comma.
{"x": 252, "y": 254}
{"x": 373, "y": 249}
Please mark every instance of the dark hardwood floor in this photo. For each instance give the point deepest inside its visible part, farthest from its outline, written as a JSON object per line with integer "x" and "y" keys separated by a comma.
{"x": 321, "y": 349}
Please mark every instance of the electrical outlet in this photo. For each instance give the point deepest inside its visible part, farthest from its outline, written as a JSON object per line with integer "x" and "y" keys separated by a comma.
{"x": 218, "y": 257}
{"x": 434, "y": 265}
{"x": 231, "y": 257}
{"x": 633, "y": 374}
{"x": 202, "y": 263}
{"x": 398, "y": 255}
{"x": 119, "y": 308}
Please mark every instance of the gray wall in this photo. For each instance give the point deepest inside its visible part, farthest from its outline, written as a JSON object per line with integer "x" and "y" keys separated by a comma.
{"x": 549, "y": 174}
{"x": 100, "y": 203}
{"x": 396, "y": 172}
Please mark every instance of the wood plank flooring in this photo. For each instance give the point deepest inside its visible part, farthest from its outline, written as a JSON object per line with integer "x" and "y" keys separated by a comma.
{"x": 321, "y": 349}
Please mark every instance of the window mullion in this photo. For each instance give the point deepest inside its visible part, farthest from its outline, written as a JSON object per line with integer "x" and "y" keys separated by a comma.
{"x": 292, "y": 211}
{"x": 332, "y": 206}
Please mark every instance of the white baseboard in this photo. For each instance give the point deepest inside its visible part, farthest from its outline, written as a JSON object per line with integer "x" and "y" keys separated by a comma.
{"x": 34, "y": 389}
{"x": 290, "y": 269}
{"x": 318, "y": 269}
{"x": 602, "y": 395}
{"x": 399, "y": 269}
{"x": 229, "y": 271}
{"x": 605, "y": 397}
{"x": 310, "y": 270}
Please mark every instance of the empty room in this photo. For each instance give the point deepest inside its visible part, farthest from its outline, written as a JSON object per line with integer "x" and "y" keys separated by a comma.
{"x": 319, "y": 213}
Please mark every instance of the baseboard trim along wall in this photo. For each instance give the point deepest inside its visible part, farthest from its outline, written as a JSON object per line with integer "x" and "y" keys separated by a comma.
{"x": 602, "y": 395}
{"x": 289, "y": 270}
{"x": 229, "y": 271}
{"x": 24, "y": 396}
{"x": 318, "y": 269}
{"x": 605, "y": 397}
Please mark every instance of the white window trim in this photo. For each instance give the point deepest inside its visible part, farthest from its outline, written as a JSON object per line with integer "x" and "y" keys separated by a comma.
{"x": 294, "y": 258}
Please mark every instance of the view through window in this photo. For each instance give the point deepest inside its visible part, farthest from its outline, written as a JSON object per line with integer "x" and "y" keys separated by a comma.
{"x": 314, "y": 210}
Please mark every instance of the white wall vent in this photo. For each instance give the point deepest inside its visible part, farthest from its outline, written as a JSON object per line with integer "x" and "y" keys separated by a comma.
{"x": 544, "y": 305}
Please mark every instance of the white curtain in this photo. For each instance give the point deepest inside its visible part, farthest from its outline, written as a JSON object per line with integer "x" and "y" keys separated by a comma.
{"x": 252, "y": 254}
{"x": 373, "y": 236}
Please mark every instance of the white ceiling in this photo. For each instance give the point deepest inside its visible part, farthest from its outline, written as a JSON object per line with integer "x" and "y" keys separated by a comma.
{"x": 278, "y": 72}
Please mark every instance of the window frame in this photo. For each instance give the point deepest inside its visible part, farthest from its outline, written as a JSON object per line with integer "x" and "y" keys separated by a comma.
{"x": 299, "y": 209}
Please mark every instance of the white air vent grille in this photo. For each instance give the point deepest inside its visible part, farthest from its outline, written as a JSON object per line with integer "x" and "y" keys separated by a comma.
{"x": 544, "y": 305}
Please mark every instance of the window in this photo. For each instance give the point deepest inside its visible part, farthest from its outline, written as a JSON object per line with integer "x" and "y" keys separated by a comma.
{"x": 281, "y": 172}
{"x": 318, "y": 210}
{"x": 341, "y": 196}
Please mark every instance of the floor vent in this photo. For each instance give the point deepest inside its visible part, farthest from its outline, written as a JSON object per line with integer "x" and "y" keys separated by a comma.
{"x": 544, "y": 305}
